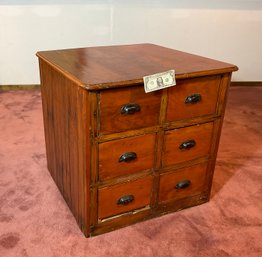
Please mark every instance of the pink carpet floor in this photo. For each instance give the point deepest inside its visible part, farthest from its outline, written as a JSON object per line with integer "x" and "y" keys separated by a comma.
{"x": 36, "y": 222}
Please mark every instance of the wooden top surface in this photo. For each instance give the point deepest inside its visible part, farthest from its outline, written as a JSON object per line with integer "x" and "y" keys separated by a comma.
{"x": 118, "y": 66}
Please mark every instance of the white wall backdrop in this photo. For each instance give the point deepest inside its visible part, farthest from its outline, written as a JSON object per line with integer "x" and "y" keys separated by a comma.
{"x": 230, "y": 30}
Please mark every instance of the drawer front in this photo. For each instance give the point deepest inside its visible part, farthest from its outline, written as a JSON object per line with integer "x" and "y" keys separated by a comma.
{"x": 124, "y": 197}
{"x": 126, "y": 156}
{"x": 182, "y": 183}
{"x": 187, "y": 143}
{"x": 127, "y": 109}
{"x": 192, "y": 98}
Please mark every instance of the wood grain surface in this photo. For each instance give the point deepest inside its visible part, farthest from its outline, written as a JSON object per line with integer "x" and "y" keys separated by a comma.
{"x": 107, "y": 197}
{"x": 119, "y": 66}
{"x": 112, "y": 101}
{"x": 83, "y": 94}
{"x": 110, "y": 152}
{"x": 206, "y": 87}
{"x": 195, "y": 174}
{"x": 202, "y": 136}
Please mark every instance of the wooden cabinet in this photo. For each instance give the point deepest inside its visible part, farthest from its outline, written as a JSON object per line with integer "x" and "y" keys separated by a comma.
{"x": 120, "y": 155}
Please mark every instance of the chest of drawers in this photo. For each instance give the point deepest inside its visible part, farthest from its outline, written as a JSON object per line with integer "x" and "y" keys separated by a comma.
{"x": 120, "y": 155}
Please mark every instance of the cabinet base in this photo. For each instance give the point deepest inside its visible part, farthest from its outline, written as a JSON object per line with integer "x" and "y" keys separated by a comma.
{"x": 130, "y": 218}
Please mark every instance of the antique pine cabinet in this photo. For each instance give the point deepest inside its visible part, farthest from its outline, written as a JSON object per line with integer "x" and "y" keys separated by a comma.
{"x": 120, "y": 155}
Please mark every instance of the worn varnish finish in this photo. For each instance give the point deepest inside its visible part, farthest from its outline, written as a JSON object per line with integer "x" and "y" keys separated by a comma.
{"x": 207, "y": 87}
{"x": 67, "y": 137}
{"x": 114, "y": 168}
{"x": 121, "y": 66}
{"x": 111, "y": 102}
{"x": 108, "y": 197}
{"x": 193, "y": 178}
{"x": 197, "y": 138}
{"x": 110, "y": 153}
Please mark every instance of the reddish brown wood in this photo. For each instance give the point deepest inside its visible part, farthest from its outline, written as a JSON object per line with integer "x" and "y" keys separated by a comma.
{"x": 67, "y": 139}
{"x": 201, "y": 134}
{"x": 83, "y": 91}
{"x": 108, "y": 197}
{"x": 221, "y": 105}
{"x": 112, "y": 101}
{"x": 93, "y": 148}
{"x": 118, "y": 66}
{"x": 110, "y": 153}
{"x": 207, "y": 87}
{"x": 168, "y": 181}
{"x": 129, "y": 218}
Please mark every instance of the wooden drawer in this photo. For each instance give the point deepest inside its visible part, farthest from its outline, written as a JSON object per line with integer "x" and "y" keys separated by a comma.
{"x": 124, "y": 197}
{"x": 182, "y": 183}
{"x": 127, "y": 109}
{"x": 187, "y": 143}
{"x": 192, "y": 98}
{"x": 125, "y": 156}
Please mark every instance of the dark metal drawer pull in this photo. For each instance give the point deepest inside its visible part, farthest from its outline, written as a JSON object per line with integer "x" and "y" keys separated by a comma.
{"x": 124, "y": 200}
{"x": 130, "y": 108}
{"x": 127, "y": 157}
{"x": 192, "y": 99}
{"x": 183, "y": 184}
{"x": 187, "y": 144}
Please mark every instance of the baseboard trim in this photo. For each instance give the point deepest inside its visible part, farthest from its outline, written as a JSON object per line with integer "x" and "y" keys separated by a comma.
{"x": 246, "y": 83}
{"x": 37, "y": 86}
{"x": 19, "y": 87}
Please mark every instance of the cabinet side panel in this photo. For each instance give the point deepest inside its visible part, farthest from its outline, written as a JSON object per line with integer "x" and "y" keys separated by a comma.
{"x": 48, "y": 120}
{"x": 66, "y": 122}
{"x": 221, "y": 105}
